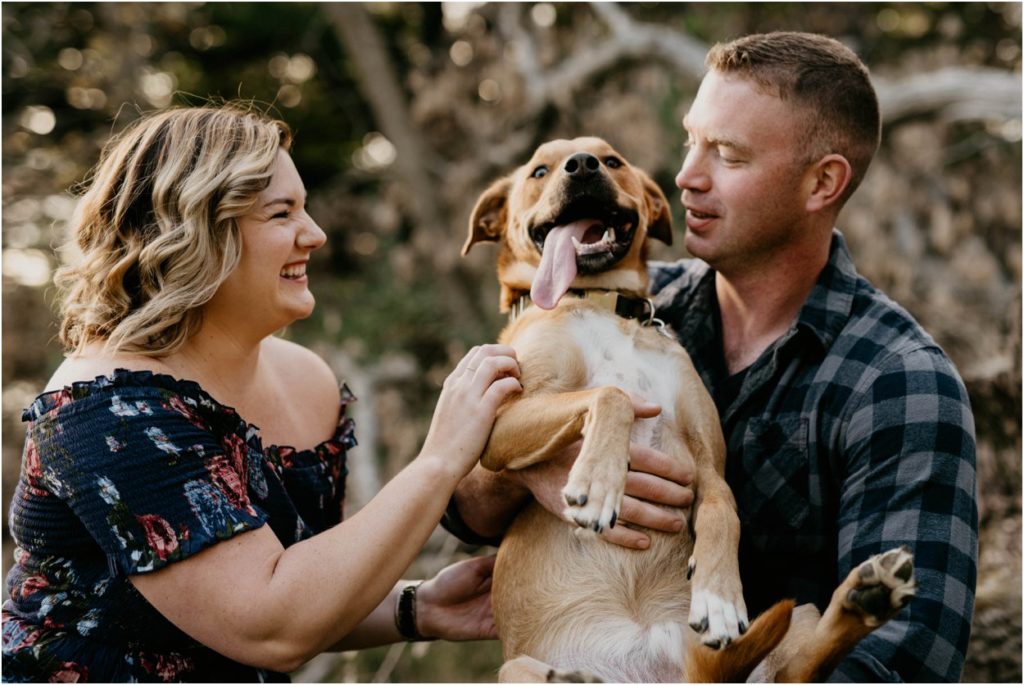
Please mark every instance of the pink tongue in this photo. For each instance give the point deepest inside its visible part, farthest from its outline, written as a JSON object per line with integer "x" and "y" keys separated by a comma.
{"x": 557, "y": 264}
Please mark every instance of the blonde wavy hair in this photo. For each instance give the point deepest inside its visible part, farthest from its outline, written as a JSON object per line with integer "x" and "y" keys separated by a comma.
{"x": 157, "y": 227}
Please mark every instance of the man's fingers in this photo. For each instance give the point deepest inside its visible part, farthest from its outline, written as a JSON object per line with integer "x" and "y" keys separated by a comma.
{"x": 643, "y": 409}
{"x": 626, "y": 537}
{"x": 649, "y": 460}
{"x": 658, "y": 490}
{"x": 640, "y": 513}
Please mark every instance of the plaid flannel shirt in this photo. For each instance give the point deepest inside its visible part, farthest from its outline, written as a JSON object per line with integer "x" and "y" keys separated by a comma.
{"x": 850, "y": 435}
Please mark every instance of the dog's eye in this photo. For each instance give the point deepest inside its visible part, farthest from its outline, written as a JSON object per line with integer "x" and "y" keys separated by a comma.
{"x": 540, "y": 172}
{"x": 613, "y": 162}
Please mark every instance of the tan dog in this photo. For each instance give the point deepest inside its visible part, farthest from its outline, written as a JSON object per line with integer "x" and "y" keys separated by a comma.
{"x": 572, "y": 226}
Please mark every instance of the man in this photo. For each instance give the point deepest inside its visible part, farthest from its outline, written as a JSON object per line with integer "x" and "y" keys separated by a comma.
{"x": 849, "y": 431}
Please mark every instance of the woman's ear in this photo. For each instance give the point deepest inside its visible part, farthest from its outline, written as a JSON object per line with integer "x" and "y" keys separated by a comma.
{"x": 828, "y": 179}
{"x": 487, "y": 222}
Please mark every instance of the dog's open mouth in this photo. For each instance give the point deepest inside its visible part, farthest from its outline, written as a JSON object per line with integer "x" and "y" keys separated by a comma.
{"x": 600, "y": 232}
{"x": 588, "y": 236}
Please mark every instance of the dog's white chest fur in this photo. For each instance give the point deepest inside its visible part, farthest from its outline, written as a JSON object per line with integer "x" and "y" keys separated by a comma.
{"x": 613, "y": 358}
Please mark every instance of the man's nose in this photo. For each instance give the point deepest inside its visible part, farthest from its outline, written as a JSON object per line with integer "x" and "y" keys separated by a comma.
{"x": 692, "y": 174}
{"x": 582, "y": 165}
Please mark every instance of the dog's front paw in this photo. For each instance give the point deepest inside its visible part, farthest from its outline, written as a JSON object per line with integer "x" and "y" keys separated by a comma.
{"x": 594, "y": 492}
{"x": 717, "y": 620}
{"x": 882, "y": 585}
{"x": 717, "y": 610}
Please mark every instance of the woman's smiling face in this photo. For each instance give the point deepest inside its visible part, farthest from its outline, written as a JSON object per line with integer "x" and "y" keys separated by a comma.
{"x": 270, "y": 285}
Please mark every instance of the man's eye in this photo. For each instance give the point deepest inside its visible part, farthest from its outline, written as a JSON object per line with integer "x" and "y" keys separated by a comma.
{"x": 540, "y": 172}
{"x": 728, "y": 158}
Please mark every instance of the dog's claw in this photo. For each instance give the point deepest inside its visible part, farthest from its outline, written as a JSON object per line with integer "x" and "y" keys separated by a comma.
{"x": 574, "y": 501}
{"x": 906, "y": 571}
{"x": 716, "y": 618}
{"x": 690, "y": 568}
{"x": 594, "y": 493}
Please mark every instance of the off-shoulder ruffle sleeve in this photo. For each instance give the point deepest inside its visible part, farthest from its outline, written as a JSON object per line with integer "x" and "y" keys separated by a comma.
{"x": 153, "y": 469}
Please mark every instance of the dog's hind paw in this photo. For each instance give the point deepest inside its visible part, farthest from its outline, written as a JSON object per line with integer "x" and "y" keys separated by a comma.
{"x": 594, "y": 493}
{"x": 556, "y": 676}
{"x": 881, "y": 586}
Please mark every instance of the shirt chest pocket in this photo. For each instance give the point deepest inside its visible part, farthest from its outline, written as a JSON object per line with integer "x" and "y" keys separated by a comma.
{"x": 776, "y": 474}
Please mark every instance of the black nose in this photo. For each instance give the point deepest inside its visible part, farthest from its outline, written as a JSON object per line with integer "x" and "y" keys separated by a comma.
{"x": 582, "y": 165}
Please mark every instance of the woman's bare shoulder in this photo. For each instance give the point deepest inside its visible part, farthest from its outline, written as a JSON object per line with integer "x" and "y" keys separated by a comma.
{"x": 295, "y": 364}
{"x": 93, "y": 363}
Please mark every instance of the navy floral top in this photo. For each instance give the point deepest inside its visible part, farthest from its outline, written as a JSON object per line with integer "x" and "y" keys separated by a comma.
{"x": 126, "y": 474}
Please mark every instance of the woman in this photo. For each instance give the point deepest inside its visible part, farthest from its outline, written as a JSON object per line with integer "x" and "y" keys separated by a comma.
{"x": 164, "y": 529}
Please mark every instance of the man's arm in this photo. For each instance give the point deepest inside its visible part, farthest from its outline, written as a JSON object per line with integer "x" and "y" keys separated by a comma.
{"x": 483, "y": 506}
{"x": 909, "y": 453}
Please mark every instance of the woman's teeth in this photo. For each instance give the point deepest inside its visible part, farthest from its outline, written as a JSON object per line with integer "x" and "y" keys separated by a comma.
{"x": 294, "y": 271}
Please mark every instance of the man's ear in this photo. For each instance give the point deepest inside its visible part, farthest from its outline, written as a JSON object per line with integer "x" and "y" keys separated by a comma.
{"x": 659, "y": 215}
{"x": 489, "y": 216}
{"x": 828, "y": 179}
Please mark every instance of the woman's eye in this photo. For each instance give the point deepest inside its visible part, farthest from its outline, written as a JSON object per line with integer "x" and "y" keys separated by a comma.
{"x": 540, "y": 172}
{"x": 281, "y": 215}
{"x": 613, "y": 162}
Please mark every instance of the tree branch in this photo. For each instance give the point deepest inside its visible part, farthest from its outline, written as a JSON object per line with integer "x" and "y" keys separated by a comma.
{"x": 377, "y": 81}
{"x": 957, "y": 92}
{"x": 960, "y": 92}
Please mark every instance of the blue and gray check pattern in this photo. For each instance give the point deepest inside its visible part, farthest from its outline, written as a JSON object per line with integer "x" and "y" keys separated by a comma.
{"x": 852, "y": 434}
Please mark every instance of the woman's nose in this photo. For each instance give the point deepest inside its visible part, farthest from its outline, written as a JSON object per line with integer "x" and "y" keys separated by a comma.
{"x": 312, "y": 236}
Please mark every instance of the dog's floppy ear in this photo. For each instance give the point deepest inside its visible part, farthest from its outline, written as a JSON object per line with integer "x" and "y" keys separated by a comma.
{"x": 489, "y": 215}
{"x": 659, "y": 214}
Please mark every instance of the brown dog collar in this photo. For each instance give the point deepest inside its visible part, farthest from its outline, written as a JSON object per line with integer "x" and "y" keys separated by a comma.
{"x": 620, "y": 304}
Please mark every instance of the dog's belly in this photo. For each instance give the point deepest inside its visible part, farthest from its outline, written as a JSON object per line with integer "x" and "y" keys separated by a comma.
{"x": 574, "y": 601}
{"x": 579, "y": 603}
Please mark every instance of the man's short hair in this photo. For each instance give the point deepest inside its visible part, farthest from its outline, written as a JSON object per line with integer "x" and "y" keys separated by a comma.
{"x": 821, "y": 75}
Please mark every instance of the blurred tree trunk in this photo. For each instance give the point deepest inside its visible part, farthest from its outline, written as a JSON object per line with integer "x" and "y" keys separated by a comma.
{"x": 379, "y": 84}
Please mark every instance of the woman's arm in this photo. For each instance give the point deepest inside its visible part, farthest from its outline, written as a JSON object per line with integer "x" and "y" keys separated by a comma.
{"x": 453, "y": 605}
{"x": 261, "y": 604}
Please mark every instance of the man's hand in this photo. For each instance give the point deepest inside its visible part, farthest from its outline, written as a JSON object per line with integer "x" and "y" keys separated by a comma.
{"x": 456, "y": 603}
{"x": 489, "y": 501}
{"x": 653, "y": 478}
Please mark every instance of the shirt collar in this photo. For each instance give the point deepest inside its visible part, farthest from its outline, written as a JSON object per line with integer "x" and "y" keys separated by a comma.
{"x": 828, "y": 307}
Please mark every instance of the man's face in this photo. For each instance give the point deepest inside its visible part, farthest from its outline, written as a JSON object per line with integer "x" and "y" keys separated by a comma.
{"x": 743, "y": 185}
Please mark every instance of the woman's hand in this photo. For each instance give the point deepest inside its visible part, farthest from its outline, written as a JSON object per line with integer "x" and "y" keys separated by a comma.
{"x": 468, "y": 405}
{"x": 654, "y": 478}
{"x": 456, "y": 603}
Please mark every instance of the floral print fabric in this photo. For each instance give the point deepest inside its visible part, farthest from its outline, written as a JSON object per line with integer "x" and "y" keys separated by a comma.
{"x": 124, "y": 475}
